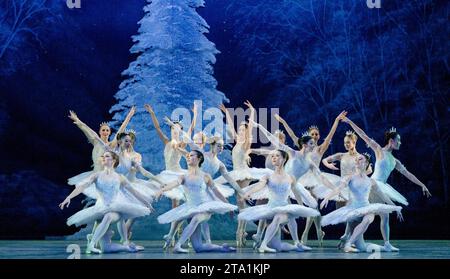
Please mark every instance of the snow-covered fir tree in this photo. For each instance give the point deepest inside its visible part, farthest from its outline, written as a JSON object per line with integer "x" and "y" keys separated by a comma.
{"x": 173, "y": 68}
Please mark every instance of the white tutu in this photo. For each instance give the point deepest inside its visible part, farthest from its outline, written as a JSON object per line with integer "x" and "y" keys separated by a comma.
{"x": 186, "y": 211}
{"x": 146, "y": 188}
{"x": 267, "y": 211}
{"x": 225, "y": 190}
{"x": 320, "y": 191}
{"x": 120, "y": 205}
{"x": 168, "y": 176}
{"x": 310, "y": 181}
{"x": 245, "y": 174}
{"x": 81, "y": 178}
{"x": 389, "y": 191}
{"x": 351, "y": 212}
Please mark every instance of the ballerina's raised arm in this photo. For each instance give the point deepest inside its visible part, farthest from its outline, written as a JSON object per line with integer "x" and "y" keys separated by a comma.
{"x": 230, "y": 127}
{"x": 370, "y": 142}
{"x": 288, "y": 129}
{"x": 326, "y": 142}
{"x": 155, "y": 121}
{"x": 274, "y": 140}
{"x": 122, "y": 127}
{"x": 92, "y": 136}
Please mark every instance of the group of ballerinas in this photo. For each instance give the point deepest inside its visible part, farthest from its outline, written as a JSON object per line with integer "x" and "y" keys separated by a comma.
{"x": 203, "y": 188}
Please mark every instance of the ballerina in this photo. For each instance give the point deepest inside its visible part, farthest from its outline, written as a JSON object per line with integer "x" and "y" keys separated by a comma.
{"x": 360, "y": 186}
{"x": 113, "y": 203}
{"x": 198, "y": 206}
{"x": 241, "y": 172}
{"x": 211, "y": 165}
{"x": 172, "y": 158}
{"x": 308, "y": 180}
{"x": 384, "y": 165}
{"x": 265, "y": 151}
{"x": 279, "y": 185}
{"x": 299, "y": 164}
{"x": 347, "y": 167}
{"x": 130, "y": 163}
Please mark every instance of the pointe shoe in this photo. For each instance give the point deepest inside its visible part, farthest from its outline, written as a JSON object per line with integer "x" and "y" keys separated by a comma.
{"x": 265, "y": 249}
{"x": 320, "y": 238}
{"x": 350, "y": 249}
{"x": 135, "y": 248}
{"x": 303, "y": 248}
{"x": 166, "y": 244}
{"x": 228, "y": 248}
{"x": 177, "y": 249}
{"x": 91, "y": 249}
{"x": 389, "y": 248}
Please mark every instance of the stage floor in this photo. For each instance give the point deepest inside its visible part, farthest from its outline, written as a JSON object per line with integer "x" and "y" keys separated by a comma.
{"x": 56, "y": 249}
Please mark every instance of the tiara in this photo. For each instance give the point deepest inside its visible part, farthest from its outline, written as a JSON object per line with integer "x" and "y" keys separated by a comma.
{"x": 367, "y": 155}
{"x": 104, "y": 124}
{"x": 279, "y": 132}
{"x": 130, "y": 131}
{"x": 350, "y": 133}
{"x": 305, "y": 134}
{"x": 313, "y": 127}
{"x": 393, "y": 130}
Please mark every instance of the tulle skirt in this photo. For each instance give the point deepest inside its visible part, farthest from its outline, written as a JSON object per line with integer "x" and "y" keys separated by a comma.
{"x": 351, "y": 212}
{"x": 245, "y": 174}
{"x": 168, "y": 176}
{"x": 267, "y": 211}
{"x": 187, "y": 210}
{"x": 147, "y": 189}
{"x": 390, "y": 192}
{"x": 81, "y": 178}
{"x": 320, "y": 191}
{"x": 264, "y": 193}
{"x": 120, "y": 204}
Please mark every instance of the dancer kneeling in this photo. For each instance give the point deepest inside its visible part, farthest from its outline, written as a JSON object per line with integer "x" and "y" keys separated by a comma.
{"x": 198, "y": 206}
{"x": 280, "y": 185}
{"x": 114, "y": 202}
{"x": 359, "y": 186}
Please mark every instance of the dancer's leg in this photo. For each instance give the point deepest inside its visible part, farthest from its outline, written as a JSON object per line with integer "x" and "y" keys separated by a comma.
{"x": 271, "y": 230}
{"x": 101, "y": 230}
{"x": 240, "y": 232}
{"x": 200, "y": 247}
{"x": 358, "y": 232}
{"x": 385, "y": 232}
{"x": 189, "y": 230}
